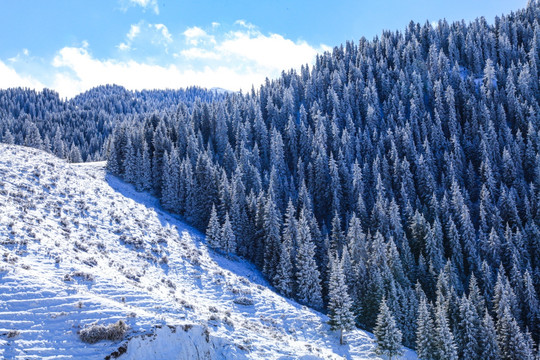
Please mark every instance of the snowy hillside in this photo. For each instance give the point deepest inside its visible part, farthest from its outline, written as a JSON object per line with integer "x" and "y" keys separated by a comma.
{"x": 78, "y": 247}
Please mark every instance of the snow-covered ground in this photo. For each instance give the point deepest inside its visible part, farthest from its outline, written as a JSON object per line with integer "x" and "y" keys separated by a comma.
{"x": 78, "y": 246}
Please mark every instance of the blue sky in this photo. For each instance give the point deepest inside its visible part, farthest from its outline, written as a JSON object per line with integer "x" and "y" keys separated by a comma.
{"x": 74, "y": 45}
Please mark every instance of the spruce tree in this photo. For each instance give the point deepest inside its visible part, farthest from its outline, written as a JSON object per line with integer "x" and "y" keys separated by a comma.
{"x": 387, "y": 334}
{"x": 445, "y": 343}
{"x": 339, "y": 304}
{"x": 283, "y": 279}
{"x": 467, "y": 334}
{"x": 213, "y": 231}
{"x": 308, "y": 289}
{"x": 272, "y": 238}
{"x": 489, "y": 348}
{"x": 425, "y": 333}
{"x": 228, "y": 239}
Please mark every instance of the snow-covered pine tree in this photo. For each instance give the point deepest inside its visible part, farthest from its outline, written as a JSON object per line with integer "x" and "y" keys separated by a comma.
{"x": 213, "y": 231}
{"x": 130, "y": 163}
{"x": 228, "y": 239}
{"x": 284, "y": 278}
{"x": 425, "y": 332}
{"x": 445, "y": 343}
{"x": 113, "y": 165}
{"x": 339, "y": 304}
{"x": 145, "y": 169}
{"x": 272, "y": 238}
{"x": 512, "y": 341}
{"x": 8, "y": 137}
{"x": 387, "y": 334}
{"x": 468, "y": 331}
{"x": 74, "y": 154}
{"x": 308, "y": 289}
{"x": 489, "y": 348}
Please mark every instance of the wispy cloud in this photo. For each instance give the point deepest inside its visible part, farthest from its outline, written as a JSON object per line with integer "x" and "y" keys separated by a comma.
{"x": 145, "y": 4}
{"x": 195, "y": 35}
{"x": 134, "y": 30}
{"x": 144, "y": 34}
{"x": 164, "y": 32}
{"x": 21, "y": 55}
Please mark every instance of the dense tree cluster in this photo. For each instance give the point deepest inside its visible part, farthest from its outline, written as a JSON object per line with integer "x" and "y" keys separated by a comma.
{"x": 397, "y": 182}
{"x": 404, "y": 168}
{"x": 79, "y": 129}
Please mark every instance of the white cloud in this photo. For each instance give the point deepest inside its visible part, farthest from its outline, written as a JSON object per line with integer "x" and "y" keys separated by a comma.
{"x": 123, "y": 46}
{"x": 10, "y": 78}
{"x": 195, "y": 35}
{"x": 134, "y": 30}
{"x": 146, "y": 4}
{"x": 157, "y": 34}
{"x": 245, "y": 24}
{"x": 198, "y": 53}
{"x": 164, "y": 32}
{"x": 20, "y": 56}
{"x": 272, "y": 51}
{"x": 213, "y": 57}
{"x": 78, "y": 71}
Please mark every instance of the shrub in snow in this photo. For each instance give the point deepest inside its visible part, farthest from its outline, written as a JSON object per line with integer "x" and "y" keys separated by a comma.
{"x": 90, "y": 261}
{"x": 83, "y": 275}
{"x": 13, "y": 333}
{"x": 243, "y": 301}
{"x": 229, "y": 322}
{"x": 97, "y": 332}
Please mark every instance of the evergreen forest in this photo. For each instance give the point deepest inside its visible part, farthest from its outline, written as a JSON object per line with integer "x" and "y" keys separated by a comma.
{"x": 394, "y": 184}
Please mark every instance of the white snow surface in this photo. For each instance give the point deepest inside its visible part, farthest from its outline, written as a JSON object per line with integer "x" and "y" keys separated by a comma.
{"x": 79, "y": 246}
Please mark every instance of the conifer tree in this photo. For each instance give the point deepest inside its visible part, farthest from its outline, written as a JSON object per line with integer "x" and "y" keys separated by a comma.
{"x": 467, "y": 330}
{"x": 228, "y": 239}
{"x": 387, "y": 334}
{"x": 425, "y": 332}
{"x": 145, "y": 169}
{"x": 272, "y": 238}
{"x": 112, "y": 159}
{"x": 339, "y": 304}
{"x": 213, "y": 231}
{"x": 489, "y": 348}
{"x": 307, "y": 275}
{"x": 130, "y": 163}
{"x": 283, "y": 279}
{"x": 445, "y": 343}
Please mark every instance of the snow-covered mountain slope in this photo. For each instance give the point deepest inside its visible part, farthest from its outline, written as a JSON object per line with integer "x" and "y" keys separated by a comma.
{"x": 78, "y": 247}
